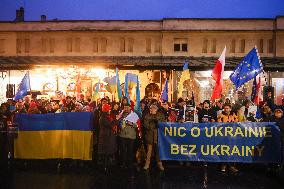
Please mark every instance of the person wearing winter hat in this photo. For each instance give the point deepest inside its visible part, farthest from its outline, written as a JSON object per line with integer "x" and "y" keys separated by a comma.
{"x": 180, "y": 106}
{"x": 78, "y": 107}
{"x": 206, "y": 114}
{"x": 107, "y": 137}
{"x": 106, "y": 108}
{"x": 33, "y": 108}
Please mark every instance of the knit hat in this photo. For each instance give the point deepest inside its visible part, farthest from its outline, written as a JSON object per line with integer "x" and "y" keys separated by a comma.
{"x": 278, "y": 110}
{"x": 103, "y": 99}
{"x": 154, "y": 106}
{"x": 79, "y": 104}
{"x": 207, "y": 101}
{"x": 33, "y": 105}
{"x": 127, "y": 104}
{"x": 106, "y": 108}
{"x": 180, "y": 100}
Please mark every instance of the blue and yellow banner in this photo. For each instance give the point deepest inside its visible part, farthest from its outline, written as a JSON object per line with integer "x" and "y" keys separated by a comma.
{"x": 220, "y": 142}
{"x": 54, "y": 136}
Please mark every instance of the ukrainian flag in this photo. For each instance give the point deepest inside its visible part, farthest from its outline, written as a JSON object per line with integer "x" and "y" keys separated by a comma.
{"x": 185, "y": 75}
{"x": 111, "y": 84}
{"x": 131, "y": 81}
{"x": 54, "y": 136}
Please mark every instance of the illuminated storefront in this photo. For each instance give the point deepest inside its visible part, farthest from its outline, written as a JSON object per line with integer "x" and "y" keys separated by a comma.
{"x": 72, "y": 57}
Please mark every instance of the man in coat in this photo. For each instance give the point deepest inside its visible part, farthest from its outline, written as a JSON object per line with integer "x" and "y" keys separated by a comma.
{"x": 151, "y": 125}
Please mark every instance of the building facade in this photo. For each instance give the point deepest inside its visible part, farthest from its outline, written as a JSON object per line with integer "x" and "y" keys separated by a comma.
{"x": 154, "y": 50}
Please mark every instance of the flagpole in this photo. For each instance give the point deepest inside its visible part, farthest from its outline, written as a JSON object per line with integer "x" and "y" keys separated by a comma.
{"x": 29, "y": 80}
{"x": 264, "y": 75}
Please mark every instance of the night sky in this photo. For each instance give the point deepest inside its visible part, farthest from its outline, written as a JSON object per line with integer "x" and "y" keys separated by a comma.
{"x": 141, "y": 9}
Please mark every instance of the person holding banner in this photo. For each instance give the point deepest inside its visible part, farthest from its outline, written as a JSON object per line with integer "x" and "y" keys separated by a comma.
{"x": 151, "y": 124}
{"x": 279, "y": 119}
{"x": 267, "y": 114}
{"x": 69, "y": 105}
{"x": 180, "y": 106}
{"x": 228, "y": 116}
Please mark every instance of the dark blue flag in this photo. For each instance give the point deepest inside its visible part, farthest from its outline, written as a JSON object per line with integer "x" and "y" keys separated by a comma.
{"x": 258, "y": 114}
{"x": 185, "y": 66}
{"x": 164, "y": 95}
{"x": 23, "y": 88}
{"x": 249, "y": 68}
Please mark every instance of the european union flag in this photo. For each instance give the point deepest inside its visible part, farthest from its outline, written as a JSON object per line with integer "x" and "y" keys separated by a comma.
{"x": 249, "y": 68}
{"x": 23, "y": 87}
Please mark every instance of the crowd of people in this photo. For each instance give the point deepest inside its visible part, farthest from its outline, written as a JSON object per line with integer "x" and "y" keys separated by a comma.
{"x": 120, "y": 131}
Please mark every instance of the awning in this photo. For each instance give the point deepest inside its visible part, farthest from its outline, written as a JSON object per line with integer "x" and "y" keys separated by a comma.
{"x": 133, "y": 62}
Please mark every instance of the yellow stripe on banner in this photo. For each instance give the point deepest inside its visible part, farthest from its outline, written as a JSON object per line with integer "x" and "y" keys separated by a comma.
{"x": 56, "y": 144}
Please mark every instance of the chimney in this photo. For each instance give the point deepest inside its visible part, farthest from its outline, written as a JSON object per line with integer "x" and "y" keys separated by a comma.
{"x": 20, "y": 15}
{"x": 43, "y": 18}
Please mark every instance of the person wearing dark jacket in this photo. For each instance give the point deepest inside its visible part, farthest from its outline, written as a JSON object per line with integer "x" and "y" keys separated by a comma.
{"x": 218, "y": 108}
{"x": 113, "y": 113}
{"x": 269, "y": 100}
{"x": 4, "y": 116}
{"x": 180, "y": 106}
{"x": 151, "y": 124}
{"x": 267, "y": 114}
{"x": 96, "y": 130}
{"x": 279, "y": 119}
{"x": 70, "y": 105}
{"x": 206, "y": 114}
{"x": 107, "y": 135}
{"x": 165, "y": 109}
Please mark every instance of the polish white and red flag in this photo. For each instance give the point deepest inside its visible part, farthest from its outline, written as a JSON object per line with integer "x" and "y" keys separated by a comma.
{"x": 217, "y": 75}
